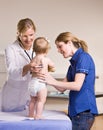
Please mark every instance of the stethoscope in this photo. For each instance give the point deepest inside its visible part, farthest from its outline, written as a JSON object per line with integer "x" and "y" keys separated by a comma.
{"x": 30, "y": 57}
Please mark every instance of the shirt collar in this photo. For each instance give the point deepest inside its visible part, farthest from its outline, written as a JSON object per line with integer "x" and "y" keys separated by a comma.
{"x": 76, "y": 55}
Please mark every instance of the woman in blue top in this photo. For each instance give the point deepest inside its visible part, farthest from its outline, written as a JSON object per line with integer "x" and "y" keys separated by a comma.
{"x": 80, "y": 80}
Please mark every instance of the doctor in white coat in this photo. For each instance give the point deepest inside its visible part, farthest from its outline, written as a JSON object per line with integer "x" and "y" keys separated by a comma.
{"x": 18, "y": 55}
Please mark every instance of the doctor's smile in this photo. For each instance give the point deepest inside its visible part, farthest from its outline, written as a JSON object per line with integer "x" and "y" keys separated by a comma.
{"x": 27, "y": 38}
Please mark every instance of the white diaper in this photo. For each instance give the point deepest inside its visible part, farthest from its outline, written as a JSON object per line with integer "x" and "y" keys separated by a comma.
{"x": 35, "y": 86}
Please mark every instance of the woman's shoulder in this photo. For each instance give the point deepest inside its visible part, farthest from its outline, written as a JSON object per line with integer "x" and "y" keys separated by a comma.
{"x": 88, "y": 55}
{"x": 86, "y": 58}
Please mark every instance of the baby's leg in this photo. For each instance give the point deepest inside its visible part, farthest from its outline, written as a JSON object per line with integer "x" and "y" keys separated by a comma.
{"x": 32, "y": 106}
{"x": 41, "y": 99}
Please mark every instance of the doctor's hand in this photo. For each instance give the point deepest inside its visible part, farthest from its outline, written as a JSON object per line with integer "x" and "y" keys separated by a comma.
{"x": 35, "y": 68}
{"x": 31, "y": 67}
{"x": 27, "y": 68}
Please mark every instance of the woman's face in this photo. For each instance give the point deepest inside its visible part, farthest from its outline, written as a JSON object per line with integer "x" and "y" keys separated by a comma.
{"x": 27, "y": 38}
{"x": 64, "y": 48}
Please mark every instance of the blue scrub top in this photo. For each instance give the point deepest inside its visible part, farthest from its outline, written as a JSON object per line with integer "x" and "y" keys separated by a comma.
{"x": 82, "y": 100}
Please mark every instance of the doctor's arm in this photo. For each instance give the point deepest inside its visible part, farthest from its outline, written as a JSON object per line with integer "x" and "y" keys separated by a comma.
{"x": 14, "y": 64}
{"x": 26, "y": 68}
{"x": 31, "y": 67}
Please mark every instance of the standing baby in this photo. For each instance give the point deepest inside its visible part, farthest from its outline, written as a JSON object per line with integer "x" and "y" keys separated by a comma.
{"x": 37, "y": 89}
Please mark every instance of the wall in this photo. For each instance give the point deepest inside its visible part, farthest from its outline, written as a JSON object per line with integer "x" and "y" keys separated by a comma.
{"x": 83, "y": 18}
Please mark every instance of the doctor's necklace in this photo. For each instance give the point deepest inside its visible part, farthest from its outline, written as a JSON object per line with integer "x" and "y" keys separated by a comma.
{"x": 30, "y": 58}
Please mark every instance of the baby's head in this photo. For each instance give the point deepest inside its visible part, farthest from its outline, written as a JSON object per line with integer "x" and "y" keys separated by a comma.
{"x": 41, "y": 45}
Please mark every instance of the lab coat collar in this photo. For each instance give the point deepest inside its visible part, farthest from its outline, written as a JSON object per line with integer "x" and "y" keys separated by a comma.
{"x": 21, "y": 51}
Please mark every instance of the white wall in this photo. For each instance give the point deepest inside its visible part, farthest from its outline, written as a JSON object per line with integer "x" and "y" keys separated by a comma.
{"x": 84, "y": 18}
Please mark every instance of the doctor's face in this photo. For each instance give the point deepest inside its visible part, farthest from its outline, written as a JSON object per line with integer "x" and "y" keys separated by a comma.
{"x": 27, "y": 38}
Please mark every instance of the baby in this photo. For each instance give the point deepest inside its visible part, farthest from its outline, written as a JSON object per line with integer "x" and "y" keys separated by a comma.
{"x": 37, "y": 89}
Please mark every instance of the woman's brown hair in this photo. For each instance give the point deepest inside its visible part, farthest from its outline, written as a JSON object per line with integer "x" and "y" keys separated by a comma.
{"x": 68, "y": 36}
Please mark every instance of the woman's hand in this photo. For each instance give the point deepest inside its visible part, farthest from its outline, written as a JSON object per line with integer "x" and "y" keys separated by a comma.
{"x": 46, "y": 78}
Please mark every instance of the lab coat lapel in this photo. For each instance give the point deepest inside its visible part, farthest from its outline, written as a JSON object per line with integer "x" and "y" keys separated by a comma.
{"x": 23, "y": 54}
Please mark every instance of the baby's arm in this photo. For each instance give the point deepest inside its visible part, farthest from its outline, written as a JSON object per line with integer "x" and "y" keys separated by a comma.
{"x": 51, "y": 67}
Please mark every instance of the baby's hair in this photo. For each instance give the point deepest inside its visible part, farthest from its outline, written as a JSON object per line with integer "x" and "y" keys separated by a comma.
{"x": 41, "y": 45}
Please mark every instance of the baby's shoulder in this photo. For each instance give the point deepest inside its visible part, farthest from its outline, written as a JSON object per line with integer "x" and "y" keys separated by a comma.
{"x": 46, "y": 59}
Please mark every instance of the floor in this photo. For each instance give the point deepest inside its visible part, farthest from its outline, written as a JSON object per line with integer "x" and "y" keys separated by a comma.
{"x": 98, "y": 124}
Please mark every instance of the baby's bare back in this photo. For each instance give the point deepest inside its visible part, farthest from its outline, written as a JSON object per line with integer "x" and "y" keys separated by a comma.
{"x": 44, "y": 62}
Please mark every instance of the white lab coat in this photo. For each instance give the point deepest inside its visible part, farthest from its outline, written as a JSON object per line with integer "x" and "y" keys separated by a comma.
{"x": 15, "y": 90}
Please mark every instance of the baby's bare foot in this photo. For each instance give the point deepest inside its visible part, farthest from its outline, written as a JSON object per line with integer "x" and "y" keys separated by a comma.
{"x": 38, "y": 117}
{"x": 31, "y": 117}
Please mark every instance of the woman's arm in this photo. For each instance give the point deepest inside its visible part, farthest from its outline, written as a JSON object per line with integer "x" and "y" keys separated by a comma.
{"x": 74, "y": 85}
{"x": 59, "y": 88}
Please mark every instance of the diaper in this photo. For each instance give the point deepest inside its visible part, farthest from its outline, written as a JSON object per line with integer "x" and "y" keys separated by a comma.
{"x": 35, "y": 86}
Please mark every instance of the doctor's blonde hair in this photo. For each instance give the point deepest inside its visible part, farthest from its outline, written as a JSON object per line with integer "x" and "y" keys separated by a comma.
{"x": 23, "y": 25}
